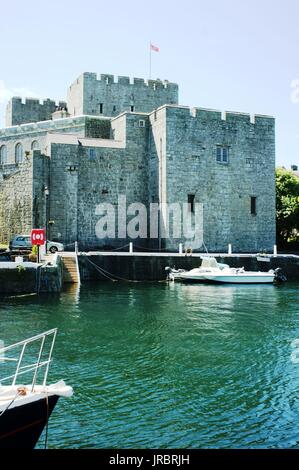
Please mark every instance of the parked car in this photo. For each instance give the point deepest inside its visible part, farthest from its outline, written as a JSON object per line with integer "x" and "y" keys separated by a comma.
{"x": 23, "y": 242}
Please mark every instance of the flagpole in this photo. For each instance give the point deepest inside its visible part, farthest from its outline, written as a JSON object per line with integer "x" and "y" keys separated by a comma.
{"x": 150, "y": 61}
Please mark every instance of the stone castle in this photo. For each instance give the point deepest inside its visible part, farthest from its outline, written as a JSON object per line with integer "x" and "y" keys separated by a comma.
{"x": 131, "y": 137}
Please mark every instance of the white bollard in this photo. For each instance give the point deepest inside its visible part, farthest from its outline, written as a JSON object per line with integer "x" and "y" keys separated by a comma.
{"x": 42, "y": 252}
{"x": 181, "y": 248}
{"x": 275, "y": 250}
{"x": 131, "y": 247}
{"x": 229, "y": 248}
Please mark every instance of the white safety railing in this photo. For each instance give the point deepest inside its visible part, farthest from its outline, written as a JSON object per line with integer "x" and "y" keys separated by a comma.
{"x": 19, "y": 351}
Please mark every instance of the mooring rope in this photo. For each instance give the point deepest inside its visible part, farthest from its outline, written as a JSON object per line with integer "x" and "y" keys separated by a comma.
{"x": 107, "y": 274}
{"x": 9, "y": 404}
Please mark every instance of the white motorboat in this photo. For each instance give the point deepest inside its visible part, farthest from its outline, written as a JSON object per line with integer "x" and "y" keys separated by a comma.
{"x": 212, "y": 271}
{"x": 25, "y": 407}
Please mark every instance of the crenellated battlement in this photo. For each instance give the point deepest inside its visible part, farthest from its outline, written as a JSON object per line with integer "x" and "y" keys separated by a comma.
{"x": 20, "y": 111}
{"x": 230, "y": 117}
{"x": 37, "y": 101}
{"x": 108, "y": 79}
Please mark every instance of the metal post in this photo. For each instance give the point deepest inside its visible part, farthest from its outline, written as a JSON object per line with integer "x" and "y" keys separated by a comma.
{"x": 46, "y": 191}
{"x": 49, "y": 357}
{"x": 229, "y": 248}
{"x": 19, "y": 364}
{"x": 275, "y": 250}
{"x": 38, "y": 363}
{"x": 150, "y": 62}
{"x": 131, "y": 247}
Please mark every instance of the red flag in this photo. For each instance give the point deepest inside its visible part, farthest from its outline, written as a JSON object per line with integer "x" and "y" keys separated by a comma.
{"x": 155, "y": 48}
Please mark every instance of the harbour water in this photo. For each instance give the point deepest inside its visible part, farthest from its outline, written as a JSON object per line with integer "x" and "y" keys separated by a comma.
{"x": 157, "y": 365}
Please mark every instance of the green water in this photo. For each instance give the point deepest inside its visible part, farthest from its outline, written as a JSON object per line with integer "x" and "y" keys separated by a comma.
{"x": 169, "y": 366}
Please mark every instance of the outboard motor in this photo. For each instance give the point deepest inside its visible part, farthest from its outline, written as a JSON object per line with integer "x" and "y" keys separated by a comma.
{"x": 279, "y": 276}
{"x": 168, "y": 272}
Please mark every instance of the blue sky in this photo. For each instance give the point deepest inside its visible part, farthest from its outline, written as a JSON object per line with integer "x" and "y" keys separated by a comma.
{"x": 228, "y": 55}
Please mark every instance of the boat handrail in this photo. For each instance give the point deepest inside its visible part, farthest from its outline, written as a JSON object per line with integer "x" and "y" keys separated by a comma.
{"x": 34, "y": 366}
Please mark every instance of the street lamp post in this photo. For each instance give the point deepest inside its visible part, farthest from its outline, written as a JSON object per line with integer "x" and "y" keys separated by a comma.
{"x": 47, "y": 192}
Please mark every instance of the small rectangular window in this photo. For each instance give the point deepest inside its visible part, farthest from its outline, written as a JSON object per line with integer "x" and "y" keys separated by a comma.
{"x": 101, "y": 108}
{"x": 141, "y": 123}
{"x": 191, "y": 202}
{"x": 91, "y": 155}
{"x": 114, "y": 108}
{"x": 132, "y": 108}
{"x": 222, "y": 154}
{"x": 253, "y": 205}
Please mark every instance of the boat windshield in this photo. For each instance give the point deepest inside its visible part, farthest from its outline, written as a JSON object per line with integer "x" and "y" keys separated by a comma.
{"x": 223, "y": 266}
{"x": 209, "y": 263}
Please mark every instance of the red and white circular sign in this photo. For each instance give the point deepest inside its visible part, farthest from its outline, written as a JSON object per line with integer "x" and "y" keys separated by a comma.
{"x": 38, "y": 236}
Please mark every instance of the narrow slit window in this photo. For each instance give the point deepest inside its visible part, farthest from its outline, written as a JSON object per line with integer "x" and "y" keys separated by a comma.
{"x": 253, "y": 205}
{"x": 91, "y": 155}
{"x": 132, "y": 108}
{"x": 191, "y": 202}
{"x": 101, "y": 108}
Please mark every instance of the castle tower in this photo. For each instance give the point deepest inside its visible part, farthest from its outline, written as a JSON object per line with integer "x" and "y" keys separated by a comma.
{"x": 104, "y": 96}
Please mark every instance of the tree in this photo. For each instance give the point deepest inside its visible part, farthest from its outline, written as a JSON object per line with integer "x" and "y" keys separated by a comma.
{"x": 287, "y": 206}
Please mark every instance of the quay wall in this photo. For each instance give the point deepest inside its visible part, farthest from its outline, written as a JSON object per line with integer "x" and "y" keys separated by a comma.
{"x": 29, "y": 280}
{"x": 51, "y": 279}
{"x": 126, "y": 267}
{"x": 18, "y": 281}
{"x": 152, "y": 267}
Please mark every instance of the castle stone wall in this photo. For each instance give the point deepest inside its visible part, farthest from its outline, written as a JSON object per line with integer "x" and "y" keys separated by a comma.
{"x": 157, "y": 163}
{"x": 81, "y": 180}
{"x": 16, "y": 201}
{"x": 27, "y": 134}
{"x": 224, "y": 189}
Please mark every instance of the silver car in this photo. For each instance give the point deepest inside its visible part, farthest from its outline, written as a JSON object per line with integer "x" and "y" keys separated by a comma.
{"x": 23, "y": 242}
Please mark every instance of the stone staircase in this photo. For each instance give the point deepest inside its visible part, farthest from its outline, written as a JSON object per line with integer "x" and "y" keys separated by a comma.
{"x": 70, "y": 271}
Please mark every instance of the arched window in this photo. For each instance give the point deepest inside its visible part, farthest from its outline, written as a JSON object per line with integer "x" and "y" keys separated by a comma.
{"x": 3, "y": 155}
{"x": 35, "y": 145}
{"x": 19, "y": 153}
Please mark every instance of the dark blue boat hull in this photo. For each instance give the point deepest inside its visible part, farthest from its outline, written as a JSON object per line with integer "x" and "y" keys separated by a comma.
{"x": 21, "y": 427}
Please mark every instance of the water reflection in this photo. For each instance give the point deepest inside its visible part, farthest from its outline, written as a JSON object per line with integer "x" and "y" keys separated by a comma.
{"x": 169, "y": 365}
